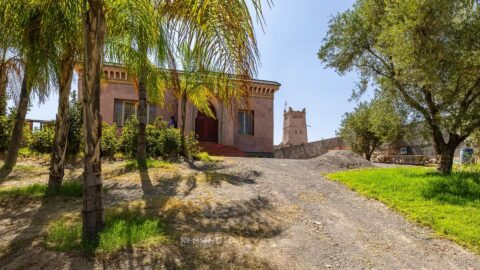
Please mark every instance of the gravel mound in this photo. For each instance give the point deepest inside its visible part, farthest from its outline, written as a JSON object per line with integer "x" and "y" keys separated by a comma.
{"x": 338, "y": 160}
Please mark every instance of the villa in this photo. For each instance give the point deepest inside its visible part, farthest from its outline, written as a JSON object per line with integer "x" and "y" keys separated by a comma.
{"x": 244, "y": 129}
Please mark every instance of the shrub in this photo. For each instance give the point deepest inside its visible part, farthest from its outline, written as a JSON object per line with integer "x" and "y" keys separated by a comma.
{"x": 6, "y": 127}
{"x": 109, "y": 140}
{"x": 129, "y": 138}
{"x": 5, "y": 132}
{"x": 42, "y": 140}
{"x": 191, "y": 142}
{"x": 27, "y": 138}
{"x": 170, "y": 140}
{"x": 75, "y": 136}
{"x": 162, "y": 141}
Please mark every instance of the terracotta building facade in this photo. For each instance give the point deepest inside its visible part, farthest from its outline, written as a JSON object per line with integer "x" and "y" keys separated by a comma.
{"x": 248, "y": 128}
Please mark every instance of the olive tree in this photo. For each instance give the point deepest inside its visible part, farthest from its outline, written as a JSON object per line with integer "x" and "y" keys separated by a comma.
{"x": 425, "y": 53}
{"x": 370, "y": 125}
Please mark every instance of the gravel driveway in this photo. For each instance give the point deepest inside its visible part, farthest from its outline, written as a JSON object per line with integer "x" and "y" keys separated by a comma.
{"x": 265, "y": 213}
{"x": 338, "y": 229}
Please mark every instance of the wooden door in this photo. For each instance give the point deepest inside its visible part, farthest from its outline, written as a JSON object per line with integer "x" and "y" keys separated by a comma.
{"x": 206, "y": 128}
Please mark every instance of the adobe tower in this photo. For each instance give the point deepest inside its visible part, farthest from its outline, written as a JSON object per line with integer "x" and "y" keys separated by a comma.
{"x": 294, "y": 127}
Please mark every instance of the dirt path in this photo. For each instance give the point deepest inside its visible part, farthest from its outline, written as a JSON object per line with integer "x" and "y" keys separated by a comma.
{"x": 239, "y": 214}
{"x": 339, "y": 229}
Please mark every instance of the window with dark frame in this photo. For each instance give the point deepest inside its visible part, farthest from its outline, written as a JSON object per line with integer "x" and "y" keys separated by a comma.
{"x": 125, "y": 109}
{"x": 245, "y": 122}
{"x": 152, "y": 113}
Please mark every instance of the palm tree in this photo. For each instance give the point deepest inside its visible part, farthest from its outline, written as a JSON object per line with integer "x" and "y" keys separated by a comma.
{"x": 135, "y": 33}
{"x": 94, "y": 28}
{"x": 34, "y": 48}
{"x": 223, "y": 31}
{"x": 195, "y": 84}
{"x": 222, "y": 28}
{"x": 65, "y": 26}
{"x": 7, "y": 60}
{"x": 219, "y": 59}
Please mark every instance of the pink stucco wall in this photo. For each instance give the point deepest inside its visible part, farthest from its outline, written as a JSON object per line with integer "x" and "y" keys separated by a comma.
{"x": 261, "y": 102}
{"x": 125, "y": 90}
{"x": 262, "y": 138}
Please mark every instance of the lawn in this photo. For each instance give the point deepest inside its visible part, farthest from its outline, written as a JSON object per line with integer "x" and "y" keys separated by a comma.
{"x": 450, "y": 205}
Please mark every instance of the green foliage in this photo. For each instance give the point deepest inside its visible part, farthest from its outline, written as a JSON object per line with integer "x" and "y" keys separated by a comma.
{"x": 162, "y": 141}
{"x": 64, "y": 235}
{"x": 205, "y": 157}
{"x": 370, "y": 125}
{"x": 27, "y": 139}
{"x": 169, "y": 142}
{"x": 151, "y": 163}
{"x": 192, "y": 145}
{"x": 123, "y": 228}
{"x": 129, "y": 138}
{"x": 424, "y": 54}
{"x": 26, "y": 152}
{"x": 5, "y": 132}
{"x": 42, "y": 140}
{"x": 425, "y": 196}
{"x": 75, "y": 136}
{"x": 67, "y": 190}
{"x": 109, "y": 144}
{"x": 6, "y": 126}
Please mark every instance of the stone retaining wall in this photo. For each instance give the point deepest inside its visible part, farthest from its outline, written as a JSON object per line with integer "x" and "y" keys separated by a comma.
{"x": 309, "y": 150}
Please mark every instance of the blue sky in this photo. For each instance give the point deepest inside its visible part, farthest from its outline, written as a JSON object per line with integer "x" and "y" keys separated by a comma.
{"x": 288, "y": 47}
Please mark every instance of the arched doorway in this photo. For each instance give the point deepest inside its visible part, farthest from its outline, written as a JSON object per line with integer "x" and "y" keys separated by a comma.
{"x": 206, "y": 127}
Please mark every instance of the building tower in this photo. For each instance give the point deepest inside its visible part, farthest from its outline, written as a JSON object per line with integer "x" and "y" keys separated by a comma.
{"x": 294, "y": 127}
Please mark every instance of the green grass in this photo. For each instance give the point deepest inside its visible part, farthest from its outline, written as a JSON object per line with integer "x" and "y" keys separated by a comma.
{"x": 151, "y": 163}
{"x": 205, "y": 157}
{"x": 26, "y": 152}
{"x": 450, "y": 205}
{"x": 124, "y": 228}
{"x": 68, "y": 189}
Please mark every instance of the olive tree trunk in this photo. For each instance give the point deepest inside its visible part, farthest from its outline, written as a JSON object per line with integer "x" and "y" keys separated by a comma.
{"x": 94, "y": 37}
{"x": 142, "y": 121}
{"x": 446, "y": 160}
{"x": 17, "y": 132}
{"x": 61, "y": 125}
{"x": 182, "y": 128}
{"x": 445, "y": 150}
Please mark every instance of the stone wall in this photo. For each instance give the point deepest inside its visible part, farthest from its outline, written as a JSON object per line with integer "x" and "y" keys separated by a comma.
{"x": 294, "y": 127}
{"x": 309, "y": 150}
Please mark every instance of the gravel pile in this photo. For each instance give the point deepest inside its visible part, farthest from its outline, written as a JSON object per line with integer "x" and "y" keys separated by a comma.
{"x": 337, "y": 160}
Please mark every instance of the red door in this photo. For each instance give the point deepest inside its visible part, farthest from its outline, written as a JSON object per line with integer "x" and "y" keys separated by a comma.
{"x": 206, "y": 128}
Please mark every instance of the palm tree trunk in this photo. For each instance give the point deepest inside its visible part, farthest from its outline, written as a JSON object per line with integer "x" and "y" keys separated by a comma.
{"x": 3, "y": 90}
{"x": 94, "y": 37}
{"x": 17, "y": 132}
{"x": 182, "y": 129}
{"x": 61, "y": 125}
{"x": 142, "y": 120}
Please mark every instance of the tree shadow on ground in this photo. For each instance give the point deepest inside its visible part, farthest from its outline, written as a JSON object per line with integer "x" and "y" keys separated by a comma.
{"x": 217, "y": 178}
{"x": 201, "y": 166}
{"x": 458, "y": 188}
{"x": 25, "y": 241}
{"x": 192, "y": 225}
{"x": 4, "y": 173}
{"x": 253, "y": 219}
